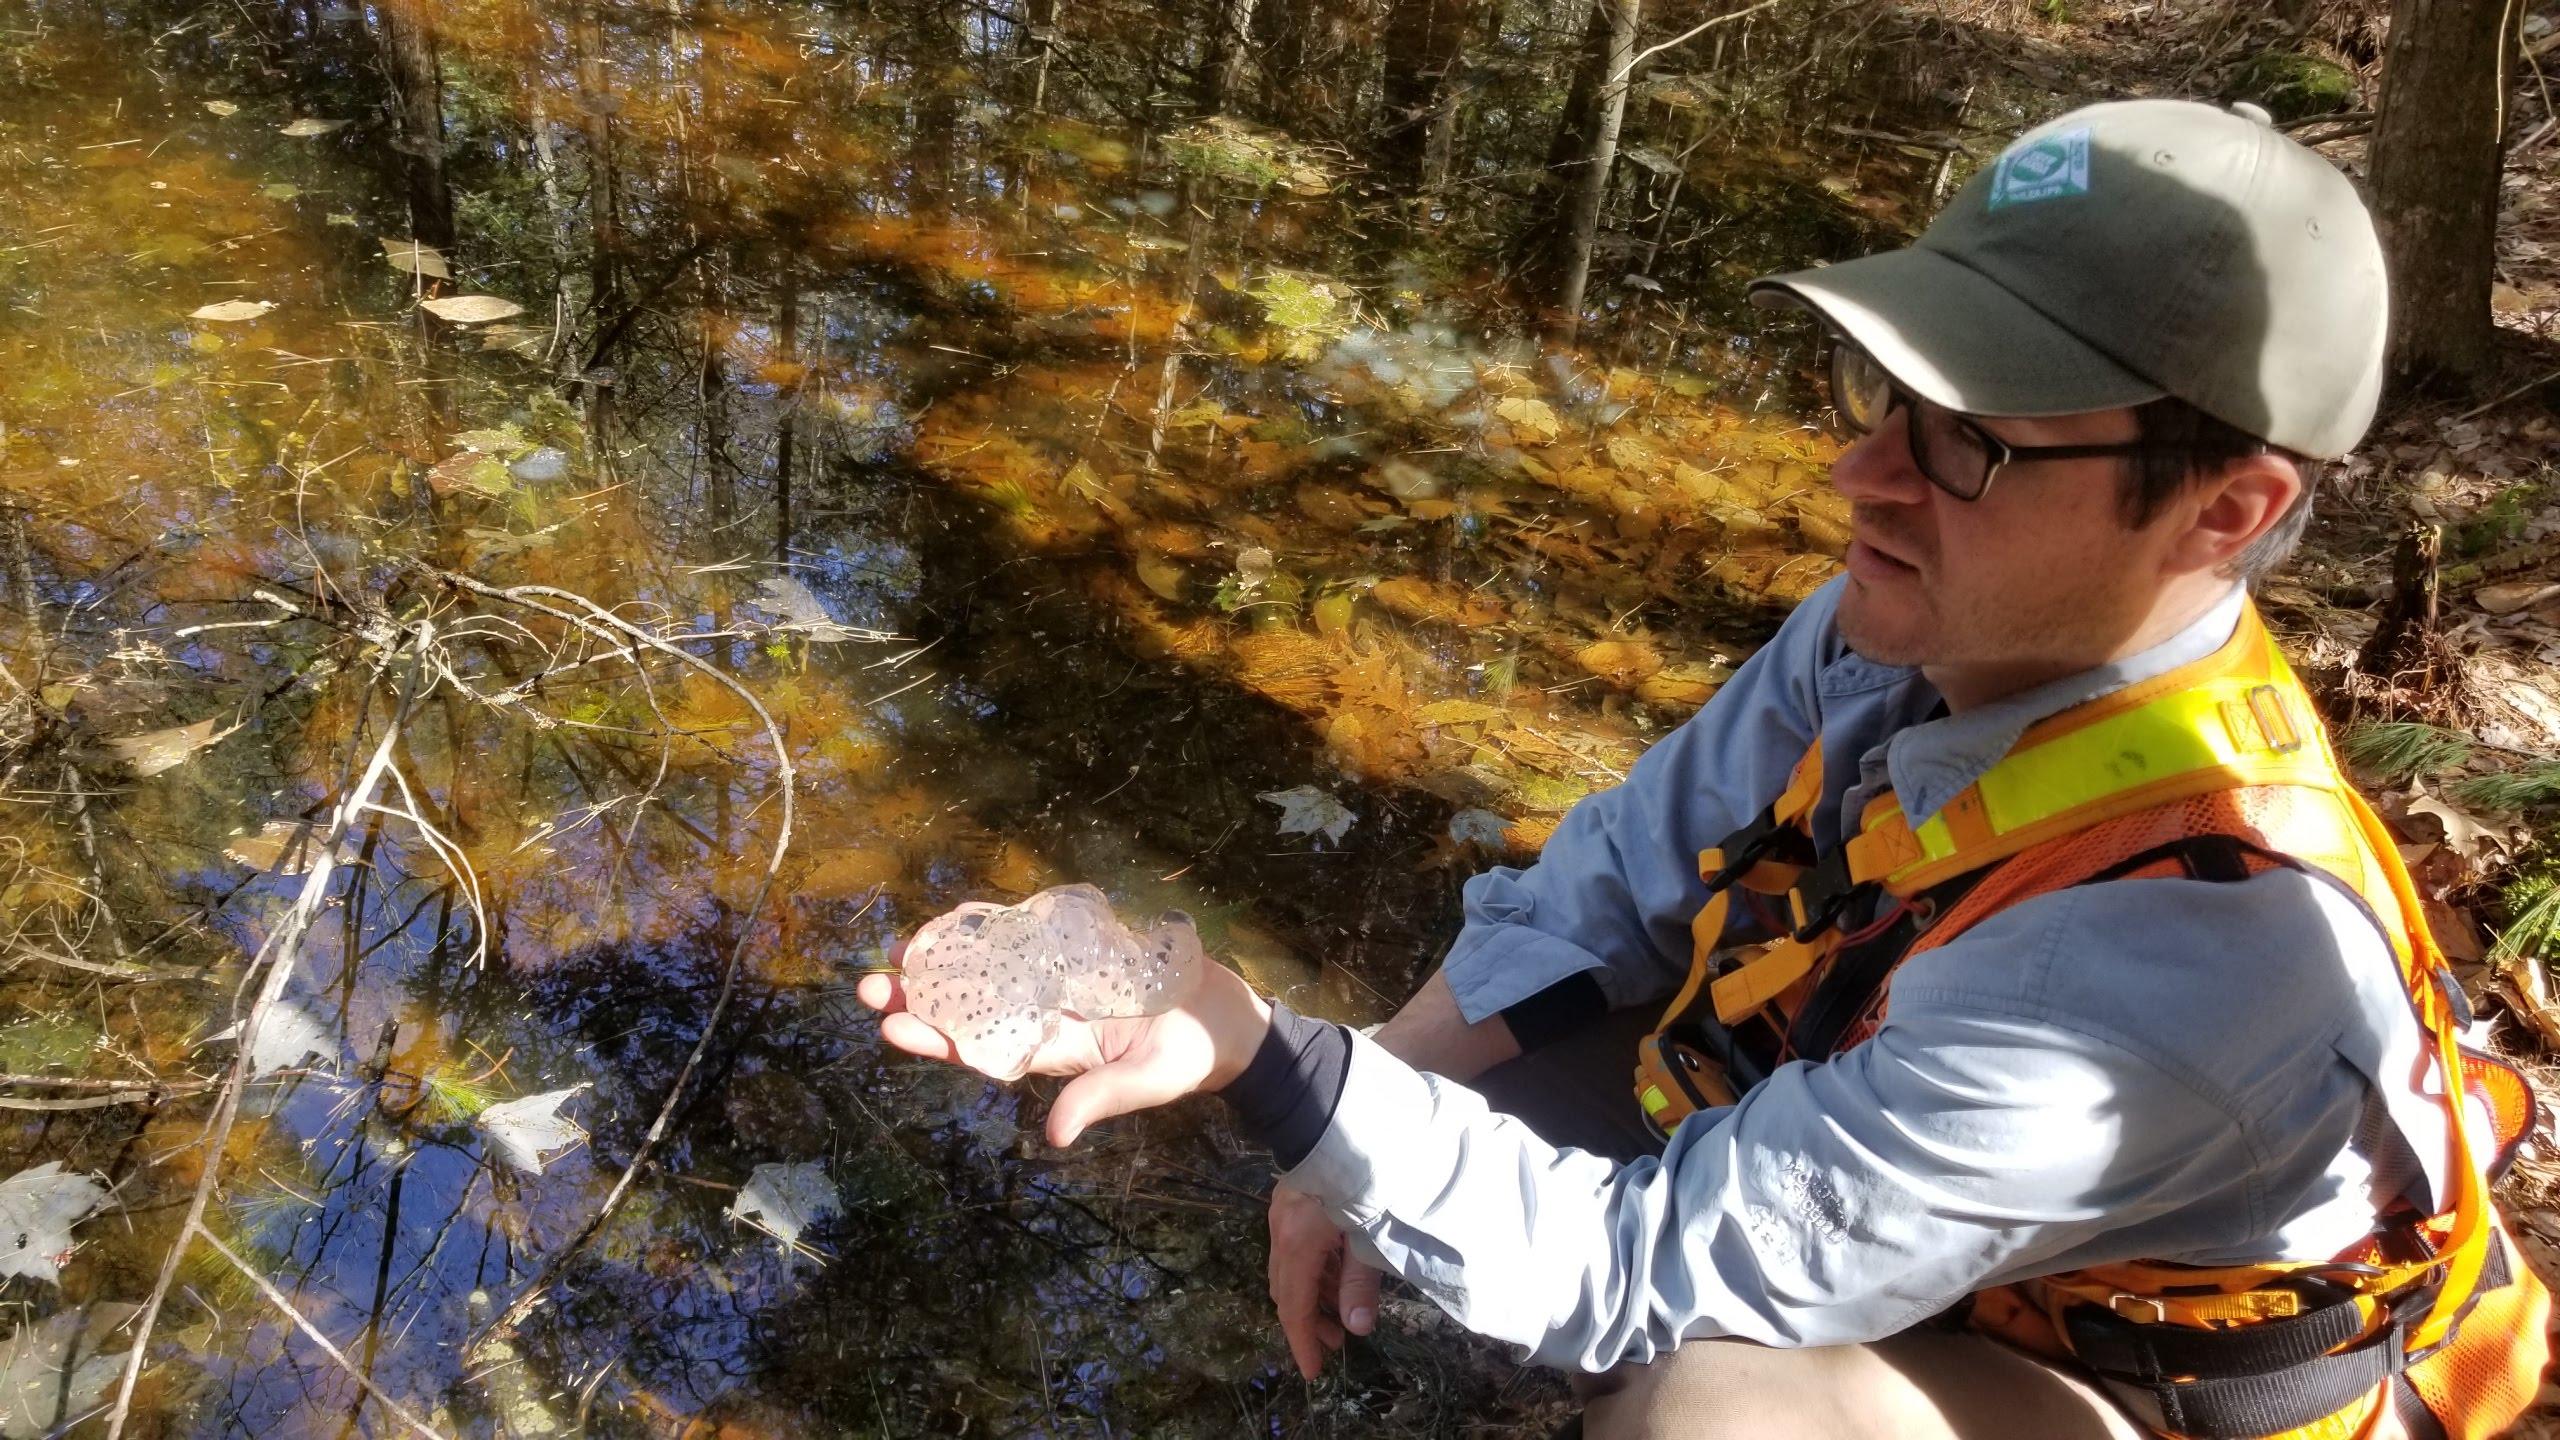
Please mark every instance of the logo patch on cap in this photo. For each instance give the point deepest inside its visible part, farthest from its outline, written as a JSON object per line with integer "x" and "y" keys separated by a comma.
{"x": 2045, "y": 168}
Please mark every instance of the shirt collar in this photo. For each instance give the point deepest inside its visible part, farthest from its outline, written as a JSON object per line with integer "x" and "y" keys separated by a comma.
{"x": 1931, "y": 763}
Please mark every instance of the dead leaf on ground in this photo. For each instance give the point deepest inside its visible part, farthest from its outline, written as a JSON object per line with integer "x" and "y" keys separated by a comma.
{"x": 2476, "y": 840}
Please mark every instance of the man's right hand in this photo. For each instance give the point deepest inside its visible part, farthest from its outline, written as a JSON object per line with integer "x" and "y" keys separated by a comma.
{"x": 1321, "y": 1292}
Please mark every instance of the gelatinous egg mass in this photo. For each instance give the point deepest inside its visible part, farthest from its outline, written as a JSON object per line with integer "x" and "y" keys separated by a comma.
{"x": 997, "y": 979}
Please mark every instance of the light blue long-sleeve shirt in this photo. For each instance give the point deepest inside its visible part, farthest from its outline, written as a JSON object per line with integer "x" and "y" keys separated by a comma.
{"x": 2210, "y": 1072}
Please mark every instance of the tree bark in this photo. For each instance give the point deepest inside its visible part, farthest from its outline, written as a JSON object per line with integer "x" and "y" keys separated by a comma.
{"x": 2435, "y": 182}
{"x": 417, "y": 90}
{"x": 1423, "y": 39}
{"x": 1230, "y": 25}
{"x": 1591, "y": 186}
{"x": 1541, "y": 233}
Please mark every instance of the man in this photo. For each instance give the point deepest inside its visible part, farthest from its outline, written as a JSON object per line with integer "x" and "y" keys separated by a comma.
{"x": 2092, "y": 1078}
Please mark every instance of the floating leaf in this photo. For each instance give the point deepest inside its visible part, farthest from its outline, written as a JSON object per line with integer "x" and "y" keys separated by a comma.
{"x": 1307, "y": 810}
{"x": 784, "y": 1200}
{"x": 410, "y": 257}
{"x": 38, "y": 1207}
{"x": 520, "y": 1130}
{"x": 51, "y": 1370}
{"x": 232, "y": 310}
{"x": 223, "y": 108}
{"x": 308, "y": 126}
{"x": 149, "y": 754}
{"x": 471, "y": 309}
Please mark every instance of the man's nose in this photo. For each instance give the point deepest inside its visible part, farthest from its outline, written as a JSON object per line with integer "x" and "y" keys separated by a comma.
{"x": 1880, "y": 468}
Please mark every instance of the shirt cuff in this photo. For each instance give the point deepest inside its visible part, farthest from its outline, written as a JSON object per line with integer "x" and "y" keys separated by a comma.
{"x": 1288, "y": 1092}
{"x": 1493, "y": 967}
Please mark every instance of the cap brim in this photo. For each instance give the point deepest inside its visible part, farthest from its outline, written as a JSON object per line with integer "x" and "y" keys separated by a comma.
{"x": 1955, "y": 338}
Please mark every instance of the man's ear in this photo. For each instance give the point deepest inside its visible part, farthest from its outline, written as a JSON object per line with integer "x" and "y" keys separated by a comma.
{"x": 2248, "y": 498}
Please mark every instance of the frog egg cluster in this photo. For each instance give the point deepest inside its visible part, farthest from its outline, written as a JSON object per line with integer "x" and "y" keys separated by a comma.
{"x": 998, "y": 978}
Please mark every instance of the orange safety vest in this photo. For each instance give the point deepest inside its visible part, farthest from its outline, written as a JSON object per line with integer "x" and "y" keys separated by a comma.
{"x": 2432, "y": 1326}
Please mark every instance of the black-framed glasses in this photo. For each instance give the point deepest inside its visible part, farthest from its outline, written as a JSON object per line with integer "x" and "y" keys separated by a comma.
{"x": 1955, "y": 454}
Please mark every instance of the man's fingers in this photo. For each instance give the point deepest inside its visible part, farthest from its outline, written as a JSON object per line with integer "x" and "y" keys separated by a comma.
{"x": 881, "y": 992}
{"x": 1357, "y": 1301}
{"x": 1303, "y": 1247}
{"x": 1113, "y": 1089}
{"x": 916, "y": 1037}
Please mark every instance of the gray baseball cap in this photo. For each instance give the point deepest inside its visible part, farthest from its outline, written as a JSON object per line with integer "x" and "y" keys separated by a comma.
{"x": 2128, "y": 251}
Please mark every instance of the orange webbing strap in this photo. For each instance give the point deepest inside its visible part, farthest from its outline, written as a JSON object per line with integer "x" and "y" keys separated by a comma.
{"x": 2424, "y": 971}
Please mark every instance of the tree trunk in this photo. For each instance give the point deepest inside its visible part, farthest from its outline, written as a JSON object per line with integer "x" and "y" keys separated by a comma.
{"x": 1230, "y": 25}
{"x": 1422, "y": 48}
{"x": 1591, "y": 187}
{"x": 2435, "y": 181}
{"x": 1540, "y": 237}
{"x": 417, "y": 88}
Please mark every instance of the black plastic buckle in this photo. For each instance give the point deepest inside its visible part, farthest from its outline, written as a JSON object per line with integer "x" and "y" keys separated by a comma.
{"x": 1825, "y": 891}
{"x": 1745, "y": 848}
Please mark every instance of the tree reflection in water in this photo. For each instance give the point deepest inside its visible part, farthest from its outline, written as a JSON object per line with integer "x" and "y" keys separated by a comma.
{"x": 1065, "y": 425}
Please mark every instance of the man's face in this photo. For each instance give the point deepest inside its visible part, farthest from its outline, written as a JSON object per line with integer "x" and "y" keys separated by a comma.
{"x": 2041, "y": 573}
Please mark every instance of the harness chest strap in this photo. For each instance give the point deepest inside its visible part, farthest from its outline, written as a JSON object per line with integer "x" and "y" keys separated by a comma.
{"x": 2234, "y": 723}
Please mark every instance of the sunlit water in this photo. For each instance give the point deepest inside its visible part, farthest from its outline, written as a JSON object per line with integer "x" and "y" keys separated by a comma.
{"x": 1123, "y": 475}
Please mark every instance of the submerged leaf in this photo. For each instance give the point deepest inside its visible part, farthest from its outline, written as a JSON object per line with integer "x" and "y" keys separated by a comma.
{"x": 784, "y": 1200}
{"x": 157, "y": 750}
{"x": 285, "y": 1035}
{"x": 801, "y": 611}
{"x": 52, "y": 1370}
{"x": 308, "y": 126}
{"x": 223, "y": 108}
{"x": 232, "y": 310}
{"x": 38, "y": 1207}
{"x": 471, "y": 309}
{"x": 280, "y": 846}
{"x": 520, "y": 1130}
{"x": 1307, "y": 810}
{"x": 410, "y": 257}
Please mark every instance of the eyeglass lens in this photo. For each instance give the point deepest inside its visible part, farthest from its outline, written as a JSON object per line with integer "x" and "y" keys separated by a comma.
{"x": 1949, "y": 452}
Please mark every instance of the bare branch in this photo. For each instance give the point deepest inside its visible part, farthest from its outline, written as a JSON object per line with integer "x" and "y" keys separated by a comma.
{"x": 629, "y": 635}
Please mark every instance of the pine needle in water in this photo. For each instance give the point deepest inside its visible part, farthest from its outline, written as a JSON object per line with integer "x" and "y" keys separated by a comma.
{"x": 2394, "y": 750}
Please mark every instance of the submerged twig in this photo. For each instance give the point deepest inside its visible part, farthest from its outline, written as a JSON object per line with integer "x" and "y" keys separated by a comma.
{"x": 628, "y": 636}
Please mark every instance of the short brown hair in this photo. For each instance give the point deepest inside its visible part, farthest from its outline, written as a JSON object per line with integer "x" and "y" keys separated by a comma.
{"x": 2194, "y": 444}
